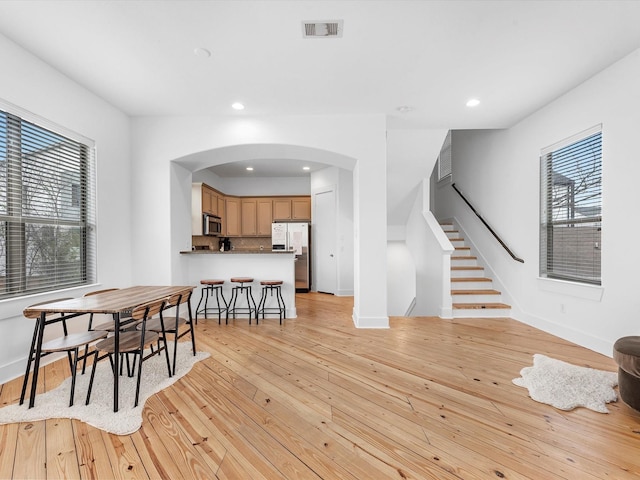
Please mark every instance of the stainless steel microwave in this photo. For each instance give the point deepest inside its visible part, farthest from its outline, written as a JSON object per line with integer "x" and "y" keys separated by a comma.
{"x": 212, "y": 225}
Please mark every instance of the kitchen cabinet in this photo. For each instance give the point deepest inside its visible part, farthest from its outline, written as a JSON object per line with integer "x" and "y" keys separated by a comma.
{"x": 249, "y": 217}
{"x": 282, "y": 208}
{"x": 209, "y": 201}
{"x": 232, "y": 217}
{"x": 245, "y": 216}
{"x": 264, "y": 217}
{"x": 221, "y": 213}
{"x": 292, "y": 208}
{"x": 204, "y": 199}
{"x": 301, "y": 208}
{"x": 257, "y": 216}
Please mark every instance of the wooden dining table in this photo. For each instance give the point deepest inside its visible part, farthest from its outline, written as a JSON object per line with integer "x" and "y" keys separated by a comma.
{"x": 115, "y": 302}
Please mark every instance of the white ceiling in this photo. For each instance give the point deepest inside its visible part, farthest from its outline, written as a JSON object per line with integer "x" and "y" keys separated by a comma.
{"x": 267, "y": 168}
{"x": 515, "y": 56}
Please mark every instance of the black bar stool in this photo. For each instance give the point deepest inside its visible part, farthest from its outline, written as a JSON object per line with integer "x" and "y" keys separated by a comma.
{"x": 209, "y": 287}
{"x": 237, "y": 292}
{"x": 271, "y": 286}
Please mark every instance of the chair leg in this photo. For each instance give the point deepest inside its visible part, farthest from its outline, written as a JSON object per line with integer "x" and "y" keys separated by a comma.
{"x": 73, "y": 375}
{"x": 226, "y": 307}
{"x": 202, "y": 292}
{"x": 283, "y": 308}
{"x": 84, "y": 358}
{"x": 193, "y": 334}
{"x": 175, "y": 352}
{"x": 93, "y": 374}
{"x": 138, "y": 382}
{"x": 263, "y": 299}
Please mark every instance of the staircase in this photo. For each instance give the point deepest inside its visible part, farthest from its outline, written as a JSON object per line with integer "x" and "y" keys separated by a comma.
{"x": 471, "y": 291}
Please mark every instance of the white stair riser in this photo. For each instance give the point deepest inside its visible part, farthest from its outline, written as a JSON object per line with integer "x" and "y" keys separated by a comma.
{"x": 482, "y": 313}
{"x": 478, "y": 298}
{"x": 485, "y": 285}
{"x": 467, "y": 262}
{"x": 467, "y": 273}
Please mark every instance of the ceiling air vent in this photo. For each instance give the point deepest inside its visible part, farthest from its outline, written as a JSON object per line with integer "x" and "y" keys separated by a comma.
{"x": 322, "y": 29}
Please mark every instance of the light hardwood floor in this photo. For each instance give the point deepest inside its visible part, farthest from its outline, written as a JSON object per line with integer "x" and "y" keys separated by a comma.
{"x": 316, "y": 398}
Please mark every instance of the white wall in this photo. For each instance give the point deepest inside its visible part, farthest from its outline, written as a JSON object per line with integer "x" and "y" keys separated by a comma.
{"x": 32, "y": 85}
{"x": 431, "y": 251}
{"x": 199, "y": 142}
{"x": 499, "y": 172}
{"x": 401, "y": 278}
{"x": 412, "y": 155}
{"x": 254, "y": 186}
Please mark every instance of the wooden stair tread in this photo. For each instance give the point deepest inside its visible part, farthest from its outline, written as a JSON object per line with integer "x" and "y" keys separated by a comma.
{"x": 480, "y": 306}
{"x": 464, "y": 257}
{"x": 468, "y": 267}
{"x": 458, "y": 239}
{"x": 462, "y": 248}
{"x": 475, "y": 292}
{"x": 470, "y": 279}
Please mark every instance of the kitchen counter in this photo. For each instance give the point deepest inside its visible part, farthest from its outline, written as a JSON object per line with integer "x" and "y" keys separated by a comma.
{"x": 236, "y": 251}
{"x": 254, "y": 263}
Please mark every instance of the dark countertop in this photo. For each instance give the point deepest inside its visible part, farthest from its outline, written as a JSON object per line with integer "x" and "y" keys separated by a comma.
{"x": 235, "y": 252}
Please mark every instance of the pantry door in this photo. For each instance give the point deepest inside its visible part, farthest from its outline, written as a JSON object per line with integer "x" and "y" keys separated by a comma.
{"x": 324, "y": 241}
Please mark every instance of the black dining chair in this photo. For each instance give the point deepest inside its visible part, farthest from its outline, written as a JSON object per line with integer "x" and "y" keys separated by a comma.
{"x": 126, "y": 323}
{"x": 173, "y": 324}
{"x": 68, "y": 342}
{"x": 132, "y": 342}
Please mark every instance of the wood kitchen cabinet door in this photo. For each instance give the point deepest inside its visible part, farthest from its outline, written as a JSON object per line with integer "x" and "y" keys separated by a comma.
{"x": 282, "y": 209}
{"x": 221, "y": 213}
{"x": 249, "y": 217}
{"x": 301, "y": 208}
{"x": 232, "y": 216}
{"x": 264, "y": 217}
{"x": 209, "y": 201}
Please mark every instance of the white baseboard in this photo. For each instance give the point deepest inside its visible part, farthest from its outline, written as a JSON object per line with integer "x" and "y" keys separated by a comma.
{"x": 370, "y": 322}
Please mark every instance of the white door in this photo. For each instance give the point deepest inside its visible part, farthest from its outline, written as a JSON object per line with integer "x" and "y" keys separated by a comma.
{"x": 324, "y": 242}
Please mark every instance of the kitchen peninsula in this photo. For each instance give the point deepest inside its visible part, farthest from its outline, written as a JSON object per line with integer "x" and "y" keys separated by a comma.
{"x": 258, "y": 264}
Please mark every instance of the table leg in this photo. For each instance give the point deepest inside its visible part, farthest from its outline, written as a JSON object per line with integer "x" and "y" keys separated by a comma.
{"x": 116, "y": 360}
{"x": 36, "y": 363}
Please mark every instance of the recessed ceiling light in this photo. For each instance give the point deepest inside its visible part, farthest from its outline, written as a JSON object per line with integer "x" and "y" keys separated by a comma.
{"x": 473, "y": 102}
{"x": 250, "y": 169}
{"x": 201, "y": 52}
{"x": 306, "y": 168}
{"x": 237, "y": 106}
{"x": 404, "y": 108}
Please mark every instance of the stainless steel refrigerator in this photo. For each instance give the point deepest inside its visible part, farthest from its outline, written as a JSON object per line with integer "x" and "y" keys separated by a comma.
{"x": 295, "y": 237}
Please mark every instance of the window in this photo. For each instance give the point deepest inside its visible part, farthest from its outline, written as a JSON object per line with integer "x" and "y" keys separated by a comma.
{"x": 47, "y": 220}
{"x": 571, "y": 208}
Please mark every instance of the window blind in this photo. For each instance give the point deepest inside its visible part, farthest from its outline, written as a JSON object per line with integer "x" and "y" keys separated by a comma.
{"x": 571, "y": 208}
{"x": 47, "y": 208}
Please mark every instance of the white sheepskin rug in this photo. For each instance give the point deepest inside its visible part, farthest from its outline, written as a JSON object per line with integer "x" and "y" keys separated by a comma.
{"x": 99, "y": 413}
{"x": 567, "y": 386}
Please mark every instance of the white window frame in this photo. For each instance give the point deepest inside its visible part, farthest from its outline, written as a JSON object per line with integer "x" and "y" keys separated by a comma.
{"x": 571, "y": 208}
{"x": 61, "y": 176}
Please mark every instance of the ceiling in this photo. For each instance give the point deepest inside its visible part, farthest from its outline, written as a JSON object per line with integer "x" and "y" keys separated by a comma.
{"x": 431, "y": 56}
{"x": 267, "y": 168}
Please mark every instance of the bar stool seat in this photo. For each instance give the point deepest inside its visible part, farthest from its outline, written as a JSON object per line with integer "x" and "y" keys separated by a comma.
{"x": 271, "y": 286}
{"x": 239, "y": 290}
{"x": 209, "y": 286}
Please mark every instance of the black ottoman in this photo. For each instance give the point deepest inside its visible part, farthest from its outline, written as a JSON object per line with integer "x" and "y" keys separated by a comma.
{"x": 626, "y": 353}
